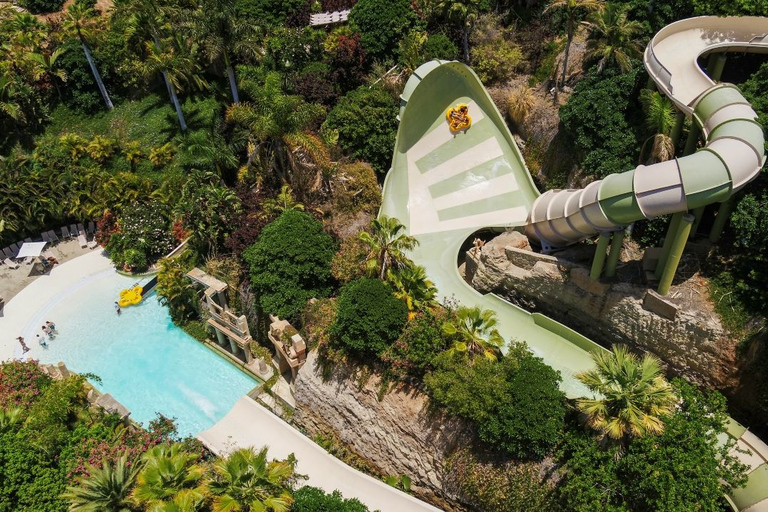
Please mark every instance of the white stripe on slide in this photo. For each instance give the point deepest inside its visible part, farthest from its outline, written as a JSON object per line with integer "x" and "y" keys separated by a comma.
{"x": 472, "y": 157}
{"x": 510, "y": 217}
{"x": 441, "y": 134}
{"x": 484, "y": 190}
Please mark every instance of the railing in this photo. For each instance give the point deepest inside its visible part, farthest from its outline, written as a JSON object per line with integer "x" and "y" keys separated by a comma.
{"x": 327, "y": 18}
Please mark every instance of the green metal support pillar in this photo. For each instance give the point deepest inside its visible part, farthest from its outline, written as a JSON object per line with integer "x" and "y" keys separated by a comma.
{"x": 675, "y": 253}
{"x": 668, "y": 239}
{"x": 693, "y": 139}
{"x": 599, "y": 259}
{"x": 697, "y": 213}
{"x": 677, "y": 130}
{"x": 614, "y": 253}
{"x": 715, "y": 66}
{"x": 723, "y": 214}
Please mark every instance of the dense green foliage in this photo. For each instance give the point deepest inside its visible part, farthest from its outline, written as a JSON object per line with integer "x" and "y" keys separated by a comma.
{"x": 366, "y": 122}
{"x": 143, "y": 235}
{"x": 369, "y": 318}
{"x": 290, "y": 263}
{"x": 312, "y": 499}
{"x": 42, "y": 6}
{"x": 439, "y": 46}
{"x": 514, "y": 403}
{"x": 603, "y": 136}
{"x": 422, "y": 340}
{"x": 684, "y": 465}
{"x": 381, "y": 24}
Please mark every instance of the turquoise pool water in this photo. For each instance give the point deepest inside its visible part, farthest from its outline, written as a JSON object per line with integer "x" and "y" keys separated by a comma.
{"x": 145, "y": 362}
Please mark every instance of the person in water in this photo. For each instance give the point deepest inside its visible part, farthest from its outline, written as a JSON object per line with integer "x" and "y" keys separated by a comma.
{"x": 24, "y": 346}
{"x": 42, "y": 341}
{"x": 51, "y": 325}
{"x": 117, "y": 307}
{"x": 47, "y": 330}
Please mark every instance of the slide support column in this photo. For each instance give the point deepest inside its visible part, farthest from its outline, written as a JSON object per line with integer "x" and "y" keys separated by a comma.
{"x": 675, "y": 253}
{"x": 599, "y": 259}
{"x": 715, "y": 66}
{"x": 693, "y": 139}
{"x": 668, "y": 239}
{"x": 723, "y": 214}
{"x": 677, "y": 130}
{"x": 614, "y": 254}
{"x": 698, "y": 213}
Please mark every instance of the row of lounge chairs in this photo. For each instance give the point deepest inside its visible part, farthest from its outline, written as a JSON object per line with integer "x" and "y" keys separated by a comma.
{"x": 72, "y": 231}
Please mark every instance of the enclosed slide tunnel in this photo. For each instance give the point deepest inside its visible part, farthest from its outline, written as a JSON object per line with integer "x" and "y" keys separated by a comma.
{"x": 732, "y": 157}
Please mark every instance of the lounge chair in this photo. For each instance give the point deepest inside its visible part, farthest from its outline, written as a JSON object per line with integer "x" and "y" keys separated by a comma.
{"x": 80, "y": 229}
{"x": 73, "y": 230}
{"x": 91, "y": 228}
{"x": 46, "y": 236}
{"x": 52, "y": 236}
{"x": 28, "y": 239}
{"x": 11, "y": 263}
{"x": 93, "y": 244}
{"x": 14, "y": 250}
{"x": 65, "y": 233}
{"x": 82, "y": 241}
{"x": 7, "y": 252}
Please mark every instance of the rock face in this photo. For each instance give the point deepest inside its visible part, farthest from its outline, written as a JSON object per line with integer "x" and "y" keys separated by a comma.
{"x": 693, "y": 344}
{"x": 397, "y": 435}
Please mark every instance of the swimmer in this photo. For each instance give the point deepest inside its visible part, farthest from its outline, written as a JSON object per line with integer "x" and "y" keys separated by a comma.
{"x": 117, "y": 308}
{"x": 51, "y": 325}
{"x": 47, "y": 330}
{"x": 42, "y": 341}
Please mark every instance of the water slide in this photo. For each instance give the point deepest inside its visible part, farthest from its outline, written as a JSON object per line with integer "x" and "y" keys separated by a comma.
{"x": 444, "y": 187}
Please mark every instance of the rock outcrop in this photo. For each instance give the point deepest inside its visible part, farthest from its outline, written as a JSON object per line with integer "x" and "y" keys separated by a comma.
{"x": 691, "y": 341}
{"x": 397, "y": 433}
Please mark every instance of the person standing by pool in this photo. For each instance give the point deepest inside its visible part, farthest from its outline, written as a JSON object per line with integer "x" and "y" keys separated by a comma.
{"x": 42, "y": 341}
{"x": 47, "y": 330}
{"x": 24, "y": 346}
{"x": 117, "y": 308}
{"x": 51, "y": 326}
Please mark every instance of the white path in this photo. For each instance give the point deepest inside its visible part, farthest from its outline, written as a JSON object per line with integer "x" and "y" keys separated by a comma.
{"x": 249, "y": 424}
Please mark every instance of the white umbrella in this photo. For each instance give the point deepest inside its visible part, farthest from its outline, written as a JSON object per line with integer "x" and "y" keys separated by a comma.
{"x": 32, "y": 249}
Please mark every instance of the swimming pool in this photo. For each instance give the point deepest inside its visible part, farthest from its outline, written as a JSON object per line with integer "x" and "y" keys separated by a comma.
{"x": 144, "y": 361}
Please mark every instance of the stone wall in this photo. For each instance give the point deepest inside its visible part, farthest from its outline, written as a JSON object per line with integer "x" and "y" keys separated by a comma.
{"x": 693, "y": 344}
{"x": 397, "y": 434}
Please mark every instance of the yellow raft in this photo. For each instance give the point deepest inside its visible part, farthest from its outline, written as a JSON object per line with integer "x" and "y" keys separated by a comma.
{"x": 130, "y": 296}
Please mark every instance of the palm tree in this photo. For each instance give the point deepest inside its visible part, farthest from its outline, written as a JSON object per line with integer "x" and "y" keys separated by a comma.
{"x": 79, "y": 22}
{"x": 411, "y": 285}
{"x": 283, "y": 202}
{"x": 223, "y": 33}
{"x": 175, "y": 60}
{"x": 659, "y": 119}
{"x": 387, "y": 244}
{"x": 613, "y": 38}
{"x": 277, "y": 140}
{"x": 475, "y": 332}
{"x": 245, "y": 481}
{"x": 463, "y": 13}
{"x": 170, "y": 476}
{"x": 106, "y": 489}
{"x": 46, "y": 67}
{"x": 573, "y": 9}
{"x": 8, "y": 417}
{"x": 632, "y": 396}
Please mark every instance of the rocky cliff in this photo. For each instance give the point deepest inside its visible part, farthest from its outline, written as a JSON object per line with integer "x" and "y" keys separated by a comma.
{"x": 690, "y": 340}
{"x": 397, "y": 434}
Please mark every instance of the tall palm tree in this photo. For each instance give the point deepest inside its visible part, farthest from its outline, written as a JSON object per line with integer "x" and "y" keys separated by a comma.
{"x": 245, "y": 481}
{"x": 79, "y": 22}
{"x": 106, "y": 489}
{"x": 475, "y": 332}
{"x": 632, "y": 396}
{"x": 463, "y": 13}
{"x": 175, "y": 60}
{"x": 412, "y": 286}
{"x": 659, "y": 120}
{"x": 276, "y": 125}
{"x": 223, "y": 33}
{"x": 170, "y": 476}
{"x": 46, "y": 67}
{"x": 387, "y": 244}
{"x": 613, "y": 38}
{"x": 574, "y": 10}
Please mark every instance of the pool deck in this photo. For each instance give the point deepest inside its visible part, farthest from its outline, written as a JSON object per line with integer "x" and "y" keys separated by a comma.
{"x": 25, "y": 304}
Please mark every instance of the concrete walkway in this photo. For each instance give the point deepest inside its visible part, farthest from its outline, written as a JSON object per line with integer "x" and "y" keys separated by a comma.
{"x": 29, "y": 301}
{"x": 250, "y": 425}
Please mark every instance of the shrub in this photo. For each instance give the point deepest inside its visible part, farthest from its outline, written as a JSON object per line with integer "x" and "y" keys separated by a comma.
{"x": 143, "y": 235}
{"x": 366, "y": 120}
{"x": 312, "y": 499}
{"x": 347, "y": 263}
{"x": 496, "y": 61}
{"x": 381, "y": 24}
{"x": 439, "y": 46}
{"x": 290, "y": 263}
{"x": 42, "y": 6}
{"x": 414, "y": 352}
{"x": 175, "y": 291}
{"x": 356, "y": 189}
{"x": 369, "y": 318}
{"x": 515, "y": 403}
{"x": 21, "y": 383}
